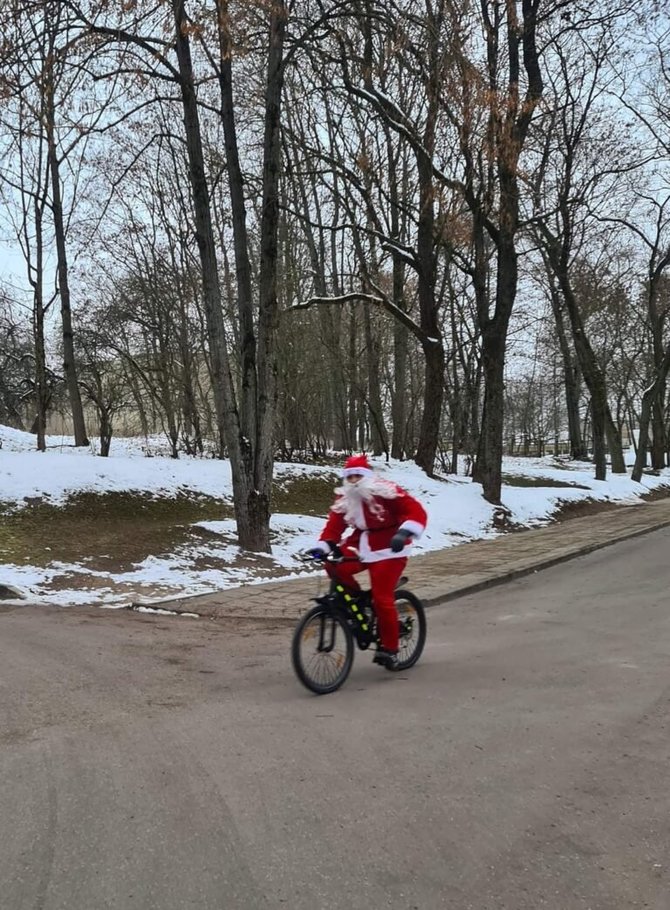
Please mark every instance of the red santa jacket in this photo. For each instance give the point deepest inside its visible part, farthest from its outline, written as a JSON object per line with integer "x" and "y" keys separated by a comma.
{"x": 375, "y": 522}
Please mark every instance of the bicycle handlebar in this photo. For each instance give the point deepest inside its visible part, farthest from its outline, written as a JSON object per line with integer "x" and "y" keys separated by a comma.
{"x": 326, "y": 557}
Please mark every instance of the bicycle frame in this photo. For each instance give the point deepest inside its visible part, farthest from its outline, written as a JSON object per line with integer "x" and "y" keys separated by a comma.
{"x": 357, "y": 612}
{"x": 354, "y": 606}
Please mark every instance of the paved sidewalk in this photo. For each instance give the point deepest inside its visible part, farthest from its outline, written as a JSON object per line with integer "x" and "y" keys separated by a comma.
{"x": 446, "y": 574}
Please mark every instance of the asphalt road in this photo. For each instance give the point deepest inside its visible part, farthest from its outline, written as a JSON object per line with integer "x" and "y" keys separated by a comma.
{"x": 165, "y": 763}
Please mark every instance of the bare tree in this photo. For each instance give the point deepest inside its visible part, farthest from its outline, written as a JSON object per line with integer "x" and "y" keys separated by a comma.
{"x": 246, "y": 416}
{"x": 582, "y": 160}
{"x": 25, "y": 183}
{"x": 650, "y": 107}
{"x": 101, "y": 378}
{"x": 16, "y": 364}
{"x": 38, "y": 43}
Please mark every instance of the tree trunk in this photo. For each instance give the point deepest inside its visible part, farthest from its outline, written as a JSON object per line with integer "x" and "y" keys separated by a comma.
{"x": 41, "y": 391}
{"x": 69, "y": 364}
{"x": 237, "y": 443}
{"x": 508, "y": 126}
{"x": 335, "y": 320}
{"x": 488, "y": 463}
{"x": 398, "y": 172}
{"x": 571, "y": 381}
{"x": 657, "y": 264}
{"x": 649, "y": 397}
{"x": 591, "y": 371}
{"x": 429, "y": 432}
{"x": 247, "y": 338}
{"x": 268, "y": 309}
{"x": 40, "y": 374}
{"x": 378, "y": 433}
{"x": 351, "y": 402}
{"x": 643, "y": 439}
{"x": 138, "y": 403}
{"x": 614, "y": 442}
{"x": 105, "y": 430}
{"x": 593, "y": 377}
{"x": 598, "y": 425}
{"x": 331, "y": 321}
{"x": 659, "y": 444}
{"x": 399, "y": 399}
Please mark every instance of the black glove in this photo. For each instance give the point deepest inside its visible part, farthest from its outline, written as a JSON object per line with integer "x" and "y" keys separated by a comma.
{"x": 399, "y": 539}
{"x": 320, "y": 553}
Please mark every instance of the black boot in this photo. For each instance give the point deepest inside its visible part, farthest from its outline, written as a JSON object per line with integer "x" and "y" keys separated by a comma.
{"x": 388, "y": 659}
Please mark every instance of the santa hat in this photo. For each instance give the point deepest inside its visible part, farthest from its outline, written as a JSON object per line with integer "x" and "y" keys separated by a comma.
{"x": 356, "y": 464}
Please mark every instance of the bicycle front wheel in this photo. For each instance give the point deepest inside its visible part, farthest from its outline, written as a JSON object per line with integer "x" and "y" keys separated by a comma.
{"x": 412, "y": 621}
{"x": 322, "y": 651}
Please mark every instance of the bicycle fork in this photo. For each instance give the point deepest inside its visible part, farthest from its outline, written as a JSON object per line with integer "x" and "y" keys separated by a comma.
{"x": 354, "y": 608}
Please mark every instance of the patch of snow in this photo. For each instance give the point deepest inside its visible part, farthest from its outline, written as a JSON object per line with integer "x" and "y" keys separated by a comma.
{"x": 456, "y": 509}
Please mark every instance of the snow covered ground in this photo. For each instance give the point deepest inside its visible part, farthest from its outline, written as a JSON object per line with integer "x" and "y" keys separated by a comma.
{"x": 457, "y": 513}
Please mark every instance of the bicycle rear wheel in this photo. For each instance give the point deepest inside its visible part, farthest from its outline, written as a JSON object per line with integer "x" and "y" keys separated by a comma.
{"x": 412, "y": 619}
{"x": 322, "y": 651}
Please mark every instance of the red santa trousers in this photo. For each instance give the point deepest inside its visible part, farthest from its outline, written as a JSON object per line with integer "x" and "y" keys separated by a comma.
{"x": 384, "y": 577}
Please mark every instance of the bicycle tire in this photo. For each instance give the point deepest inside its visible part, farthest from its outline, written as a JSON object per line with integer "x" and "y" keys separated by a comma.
{"x": 410, "y": 608}
{"x": 319, "y": 622}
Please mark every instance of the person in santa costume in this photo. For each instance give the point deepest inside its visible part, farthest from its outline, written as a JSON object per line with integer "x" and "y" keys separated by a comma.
{"x": 374, "y": 522}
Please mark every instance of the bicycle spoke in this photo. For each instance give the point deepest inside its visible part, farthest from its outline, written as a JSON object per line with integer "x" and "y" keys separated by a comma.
{"x": 323, "y": 667}
{"x": 411, "y": 628}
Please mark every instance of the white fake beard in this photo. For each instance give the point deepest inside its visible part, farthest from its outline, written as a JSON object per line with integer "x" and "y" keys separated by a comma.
{"x": 355, "y": 494}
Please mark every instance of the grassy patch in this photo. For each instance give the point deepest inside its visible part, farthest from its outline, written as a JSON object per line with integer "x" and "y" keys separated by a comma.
{"x": 660, "y": 492}
{"x": 108, "y": 532}
{"x": 308, "y": 495}
{"x": 111, "y": 531}
{"x": 520, "y": 480}
{"x": 568, "y": 510}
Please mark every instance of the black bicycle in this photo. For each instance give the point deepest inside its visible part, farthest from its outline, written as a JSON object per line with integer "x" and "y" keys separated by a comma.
{"x": 323, "y": 642}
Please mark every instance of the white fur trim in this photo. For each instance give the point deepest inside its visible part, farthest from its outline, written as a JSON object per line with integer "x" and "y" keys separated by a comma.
{"x": 367, "y": 555}
{"x": 413, "y": 526}
{"x": 348, "y": 472}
